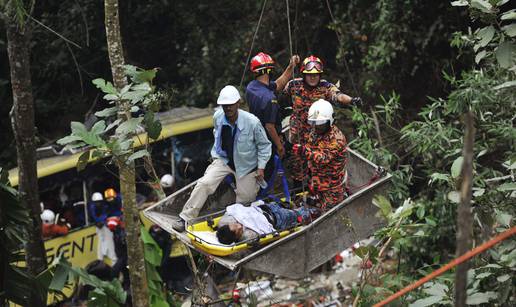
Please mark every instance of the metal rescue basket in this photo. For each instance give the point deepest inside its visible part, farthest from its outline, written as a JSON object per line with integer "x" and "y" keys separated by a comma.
{"x": 295, "y": 252}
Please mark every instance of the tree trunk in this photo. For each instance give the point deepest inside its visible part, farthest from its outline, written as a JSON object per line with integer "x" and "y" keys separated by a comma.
{"x": 22, "y": 120}
{"x": 464, "y": 218}
{"x": 136, "y": 261}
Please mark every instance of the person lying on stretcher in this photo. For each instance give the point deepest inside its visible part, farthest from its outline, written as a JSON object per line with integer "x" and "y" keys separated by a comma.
{"x": 243, "y": 223}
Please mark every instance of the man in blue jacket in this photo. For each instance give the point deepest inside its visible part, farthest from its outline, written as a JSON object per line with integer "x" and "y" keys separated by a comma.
{"x": 241, "y": 148}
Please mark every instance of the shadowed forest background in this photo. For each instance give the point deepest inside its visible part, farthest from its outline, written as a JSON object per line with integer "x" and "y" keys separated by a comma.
{"x": 200, "y": 46}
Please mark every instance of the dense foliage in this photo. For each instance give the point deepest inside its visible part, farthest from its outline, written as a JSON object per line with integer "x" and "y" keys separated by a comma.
{"x": 399, "y": 53}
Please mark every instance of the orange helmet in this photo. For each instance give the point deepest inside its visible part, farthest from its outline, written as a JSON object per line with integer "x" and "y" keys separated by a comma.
{"x": 312, "y": 65}
{"x": 262, "y": 63}
{"x": 109, "y": 194}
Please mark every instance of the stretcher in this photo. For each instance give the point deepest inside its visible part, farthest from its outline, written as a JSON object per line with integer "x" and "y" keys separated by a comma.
{"x": 203, "y": 237}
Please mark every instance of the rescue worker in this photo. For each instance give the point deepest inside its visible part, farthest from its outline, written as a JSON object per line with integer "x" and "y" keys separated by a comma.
{"x": 99, "y": 212}
{"x": 262, "y": 100}
{"x": 49, "y": 228}
{"x": 113, "y": 201}
{"x": 116, "y": 226}
{"x": 325, "y": 151}
{"x": 305, "y": 91}
{"x": 167, "y": 183}
{"x": 241, "y": 148}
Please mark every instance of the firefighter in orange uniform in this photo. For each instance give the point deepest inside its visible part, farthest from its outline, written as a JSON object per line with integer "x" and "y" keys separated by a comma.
{"x": 304, "y": 92}
{"x": 326, "y": 154}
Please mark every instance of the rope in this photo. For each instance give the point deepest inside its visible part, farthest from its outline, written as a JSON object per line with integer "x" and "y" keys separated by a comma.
{"x": 252, "y": 43}
{"x": 479, "y": 249}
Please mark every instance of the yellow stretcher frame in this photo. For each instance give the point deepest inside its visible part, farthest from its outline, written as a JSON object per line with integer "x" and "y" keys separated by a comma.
{"x": 226, "y": 250}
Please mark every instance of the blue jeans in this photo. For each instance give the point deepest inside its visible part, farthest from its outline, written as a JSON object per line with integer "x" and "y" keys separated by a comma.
{"x": 287, "y": 218}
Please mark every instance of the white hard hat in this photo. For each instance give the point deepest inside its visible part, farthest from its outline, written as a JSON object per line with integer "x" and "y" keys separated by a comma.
{"x": 167, "y": 180}
{"x": 96, "y": 196}
{"x": 320, "y": 112}
{"x": 228, "y": 95}
{"x": 47, "y": 217}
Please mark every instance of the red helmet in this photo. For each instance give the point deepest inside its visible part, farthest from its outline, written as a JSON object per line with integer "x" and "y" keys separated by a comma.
{"x": 112, "y": 222}
{"x": 312, "y": 65}
{"x": 262, "y": 63}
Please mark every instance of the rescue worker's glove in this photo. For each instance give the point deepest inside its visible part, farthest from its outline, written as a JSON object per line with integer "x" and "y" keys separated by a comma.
{"x": 357, "y": 101}
{"x": 298, "y": 149}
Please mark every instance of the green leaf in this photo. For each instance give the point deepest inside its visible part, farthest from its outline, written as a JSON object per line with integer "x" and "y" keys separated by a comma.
{"x": 480, "y": 298}
{"x": 114, "y": 124}
{"x": 504, "y": 54}
{"x": 508, "y": 186}
{"x": 78, "y": 128}
{"x": 129, "y": 126}
{"x": 383, "y": 203}
{"x": 439, "y": 176}
{"x": 483, "y": 275}
{"x": 112, "y": 97}
{"x": 107, "y": 112}
{"x": 83, "y": 161}
{"x": 485, "y": 35}
{"x": 460, "y": 3}
{"x": 482, "y": 54}
{"x": 137, "y": 155}
{"x": 454, "y": 197}
{"x": 503, "y": 278}
{"x": 59, "y": 279}
{"x": 503, "y": 218}
{"x": 505, "y": 85}
{"x": 456, "y": 167}
{"x": 106, "y": 87}
{"x": 482, "y": 5}
{"x": 436, "y": 289}
{"x": 510, "y": 30}
{"x": 427, "y": 301}
{"x": 152, "y": 126}
{"x": 99, "y": 127}
{"x": 68, "y": 139}
{"x": 509, "y": 15}
{"x": 501, "y": 2}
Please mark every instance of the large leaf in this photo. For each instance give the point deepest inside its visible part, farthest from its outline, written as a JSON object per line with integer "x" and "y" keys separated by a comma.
{"x": 485, "y": 35}
{"x": 509, "y": 15}
{"x": 508, "y": 186}
{"x": 460, "y": 3}
{"x": 436, "y": 289}
{"x": 129, "y": 126}
{"x": 99, "y": 127}
{"x": 83, "y": 161}
{"x": 482, "y": 54}
{"x": 480, "y": 298}
{"x": 510, "y": 30}
{"x": 68, "y": 139}
{"x": 60, "y": 278}
{"x": 153, "y": 126}
{"x": 107, "y": 112}
{"x": 78, "y": 128}
{"x": 504, "y": 54}
{"x": 427, "y": 301}
{"x": 505, "y": 85}
{"x": 106, "y": 87}
{"x": 138, "y": 154}
{"x": 482, "y": 5}
{"x": 456, "y": 167}
{"x": 383, "y": 203}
